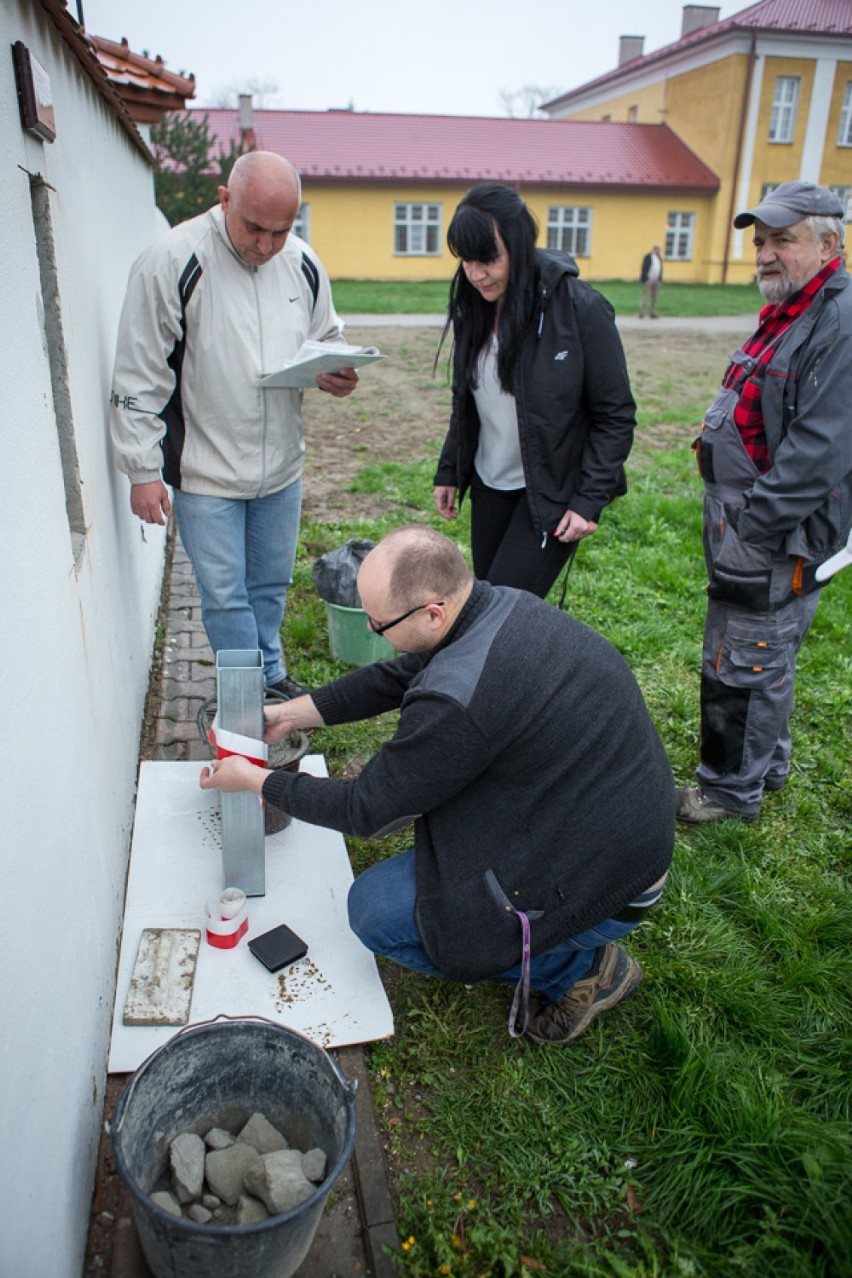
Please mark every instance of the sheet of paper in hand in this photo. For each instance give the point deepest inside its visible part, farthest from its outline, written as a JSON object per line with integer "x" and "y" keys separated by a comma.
{"x": 319, "y": 357}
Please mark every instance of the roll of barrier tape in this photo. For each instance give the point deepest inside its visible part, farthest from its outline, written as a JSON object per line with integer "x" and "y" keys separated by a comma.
{"x": 226, "y": 919}
{"x": 227, "y": 743}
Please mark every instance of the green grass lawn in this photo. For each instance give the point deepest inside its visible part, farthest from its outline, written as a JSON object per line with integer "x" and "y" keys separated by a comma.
{"x": 429, "y": 297}
{"x": 701, "y": 1129}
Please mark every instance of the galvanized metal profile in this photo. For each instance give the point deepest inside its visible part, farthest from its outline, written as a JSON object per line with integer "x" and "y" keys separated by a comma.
{"x": 239, "y": 708}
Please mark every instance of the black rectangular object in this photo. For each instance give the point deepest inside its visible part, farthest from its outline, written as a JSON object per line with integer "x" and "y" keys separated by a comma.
{"x": 278, "y": 947}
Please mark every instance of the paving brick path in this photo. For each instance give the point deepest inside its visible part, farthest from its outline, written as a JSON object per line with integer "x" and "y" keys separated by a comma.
{"x": 188, "y": 668}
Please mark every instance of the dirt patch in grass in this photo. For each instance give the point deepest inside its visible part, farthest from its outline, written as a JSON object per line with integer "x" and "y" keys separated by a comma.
{"x": 399, "y": 412}
{"x": 401, "y": 409}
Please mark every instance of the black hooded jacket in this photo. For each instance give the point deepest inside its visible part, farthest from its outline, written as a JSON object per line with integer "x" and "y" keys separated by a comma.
{"x": 576, "y": 413}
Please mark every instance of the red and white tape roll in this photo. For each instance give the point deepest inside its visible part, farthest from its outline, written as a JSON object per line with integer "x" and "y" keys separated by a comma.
{"x": 233, "y": 743}
{"x": 226, "y": 919}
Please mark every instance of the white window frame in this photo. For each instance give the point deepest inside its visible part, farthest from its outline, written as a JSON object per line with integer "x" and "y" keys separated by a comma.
{"x": 785, "y": 106}
{"x": 302, "y": 224}
{"x": 680, "y": 236}
{"x": 569, "y": 229}
{"x": 417, "y": 229}
{"x": 844, "y": 195}
{"x": 844, "y": 131}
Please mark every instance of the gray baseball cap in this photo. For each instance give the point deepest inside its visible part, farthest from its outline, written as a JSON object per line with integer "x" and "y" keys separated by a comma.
{"x": 789, "y": 203}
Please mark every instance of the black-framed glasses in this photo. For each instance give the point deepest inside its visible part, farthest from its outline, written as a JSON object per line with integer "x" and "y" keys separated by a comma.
{"x": 380, "y": 630}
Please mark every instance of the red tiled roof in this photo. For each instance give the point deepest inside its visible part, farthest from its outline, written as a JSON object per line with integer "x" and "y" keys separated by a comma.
{"x": 144, "y": 83}
{"x": 355, "y": 146}
{"x": 81, "y": 47}
{"x": 802, "y": 17}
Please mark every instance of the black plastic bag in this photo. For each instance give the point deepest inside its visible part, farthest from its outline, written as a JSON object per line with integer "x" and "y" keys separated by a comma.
{"x": 335, "y": 574}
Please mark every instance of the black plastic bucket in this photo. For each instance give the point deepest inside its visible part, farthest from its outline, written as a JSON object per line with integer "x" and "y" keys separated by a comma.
{"x": 219, "y": 1074}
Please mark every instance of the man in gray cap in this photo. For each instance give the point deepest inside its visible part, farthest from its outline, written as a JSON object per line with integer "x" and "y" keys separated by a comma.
{"x": 775, "y": 454}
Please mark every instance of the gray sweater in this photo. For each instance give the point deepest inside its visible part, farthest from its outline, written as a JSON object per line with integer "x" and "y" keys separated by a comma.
{"x": 523, "y": 747}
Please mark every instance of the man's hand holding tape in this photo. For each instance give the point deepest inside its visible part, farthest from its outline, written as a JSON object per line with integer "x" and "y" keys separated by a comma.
{"x": 236, "y": 773}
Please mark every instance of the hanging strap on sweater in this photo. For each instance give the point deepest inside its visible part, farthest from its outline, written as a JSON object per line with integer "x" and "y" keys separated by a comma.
{"x": 520, "y": 1010}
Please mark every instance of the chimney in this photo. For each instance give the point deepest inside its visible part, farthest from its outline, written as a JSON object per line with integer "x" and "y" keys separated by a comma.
{"x": 697, "y": 16}
{"x": 246, "y": 113}
{"x": 630, "y": 47}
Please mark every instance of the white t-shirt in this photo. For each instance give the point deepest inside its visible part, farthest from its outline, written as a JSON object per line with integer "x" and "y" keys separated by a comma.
{"x": 655, "y": 269}
{"x": 498, "y": 454}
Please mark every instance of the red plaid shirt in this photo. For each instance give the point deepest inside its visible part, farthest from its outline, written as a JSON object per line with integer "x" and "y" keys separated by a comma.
{"x": 774, "y": 321}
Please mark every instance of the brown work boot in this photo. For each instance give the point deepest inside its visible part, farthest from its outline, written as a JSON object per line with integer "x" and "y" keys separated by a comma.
{"x": 694, "y": 807}
{"x": 613, "y": 978}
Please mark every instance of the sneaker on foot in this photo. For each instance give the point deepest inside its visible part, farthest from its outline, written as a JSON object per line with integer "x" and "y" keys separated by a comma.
{"x": 695, "y": 806}
{"x": 613, "y": 978}
{"x": 287, "y": 688}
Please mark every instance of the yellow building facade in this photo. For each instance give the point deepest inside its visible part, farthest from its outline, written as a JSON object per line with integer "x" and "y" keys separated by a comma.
{"x": 353, "y": 228}
{"x": 758, "y": 102}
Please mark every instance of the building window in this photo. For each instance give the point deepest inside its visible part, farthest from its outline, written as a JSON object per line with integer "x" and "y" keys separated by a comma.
{"x": 632, "y": 114}
{"x": 844, "y": 133}
{"x": 679, "y": 234}
{"x": 302, "y": 224}
{"x": 782, "y": 125}
{"x": 844, "y": 195}
{"x": 417, "y": 230}
{"x": 767, "y": 189}
{"x": 569, "y": 229}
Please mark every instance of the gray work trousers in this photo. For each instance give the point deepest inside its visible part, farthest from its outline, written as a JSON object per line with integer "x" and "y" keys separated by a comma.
{"x": 756, "y": 623}
{"x": 747, "y": 676}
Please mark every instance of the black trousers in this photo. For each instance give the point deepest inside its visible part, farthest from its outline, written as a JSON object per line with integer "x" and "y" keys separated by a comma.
{"x": 506, "y": 548}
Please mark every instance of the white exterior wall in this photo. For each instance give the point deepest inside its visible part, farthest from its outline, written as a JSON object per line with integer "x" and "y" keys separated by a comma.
{"x": 75, "y": 648}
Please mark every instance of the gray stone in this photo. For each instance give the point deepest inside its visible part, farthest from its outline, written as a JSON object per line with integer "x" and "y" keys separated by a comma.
{"x": 199, "y": 1214}
{"x": 250, "y": 1211}
{"x": 260, "y": 1133}
{"x": 279, "y": 1181}
{"x": 227, "y": 1168}
{"x": 218, "y": 1138}
{"x": 210, "y": 1201}
{"x": 167, "y": 1201}
{"x": 315, "y": 1165}
{"x": 186, "y": 1155}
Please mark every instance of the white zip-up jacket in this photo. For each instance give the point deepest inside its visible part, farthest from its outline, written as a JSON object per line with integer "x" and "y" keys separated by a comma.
{"x": 198, "y": 329}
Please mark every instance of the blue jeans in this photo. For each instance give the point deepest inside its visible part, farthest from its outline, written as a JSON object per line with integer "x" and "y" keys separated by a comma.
{"x": 242, "y": 553}
{"x": 381, "y": 914}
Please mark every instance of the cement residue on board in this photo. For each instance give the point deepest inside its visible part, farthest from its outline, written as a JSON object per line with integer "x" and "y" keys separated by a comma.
{"x": 211, "y": 824}
{"x": 299, "y": 983}
{"x": 305, "y": 984}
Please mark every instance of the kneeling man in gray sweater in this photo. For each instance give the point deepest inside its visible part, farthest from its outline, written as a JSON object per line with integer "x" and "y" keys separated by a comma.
{"x": 524, "y": 755}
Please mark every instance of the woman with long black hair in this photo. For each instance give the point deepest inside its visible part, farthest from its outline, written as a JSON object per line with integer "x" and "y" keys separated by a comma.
{"x": 542, "y": 415}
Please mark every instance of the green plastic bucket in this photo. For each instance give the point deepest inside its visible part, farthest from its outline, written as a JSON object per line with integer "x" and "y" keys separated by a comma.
{"x": 352, "y": 641}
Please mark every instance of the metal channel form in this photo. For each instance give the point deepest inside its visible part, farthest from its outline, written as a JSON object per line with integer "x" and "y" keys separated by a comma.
{"x": 239, "y": 708}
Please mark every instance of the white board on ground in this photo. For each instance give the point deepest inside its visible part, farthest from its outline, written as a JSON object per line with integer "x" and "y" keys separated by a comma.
{"x": 333, "y": 995}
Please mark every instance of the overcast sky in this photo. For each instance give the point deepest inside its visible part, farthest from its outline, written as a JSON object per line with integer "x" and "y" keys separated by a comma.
{"x": 437, "y": 57}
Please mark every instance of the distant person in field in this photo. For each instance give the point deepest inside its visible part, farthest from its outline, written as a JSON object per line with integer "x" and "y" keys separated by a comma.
{"x": 651, "y": 277}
